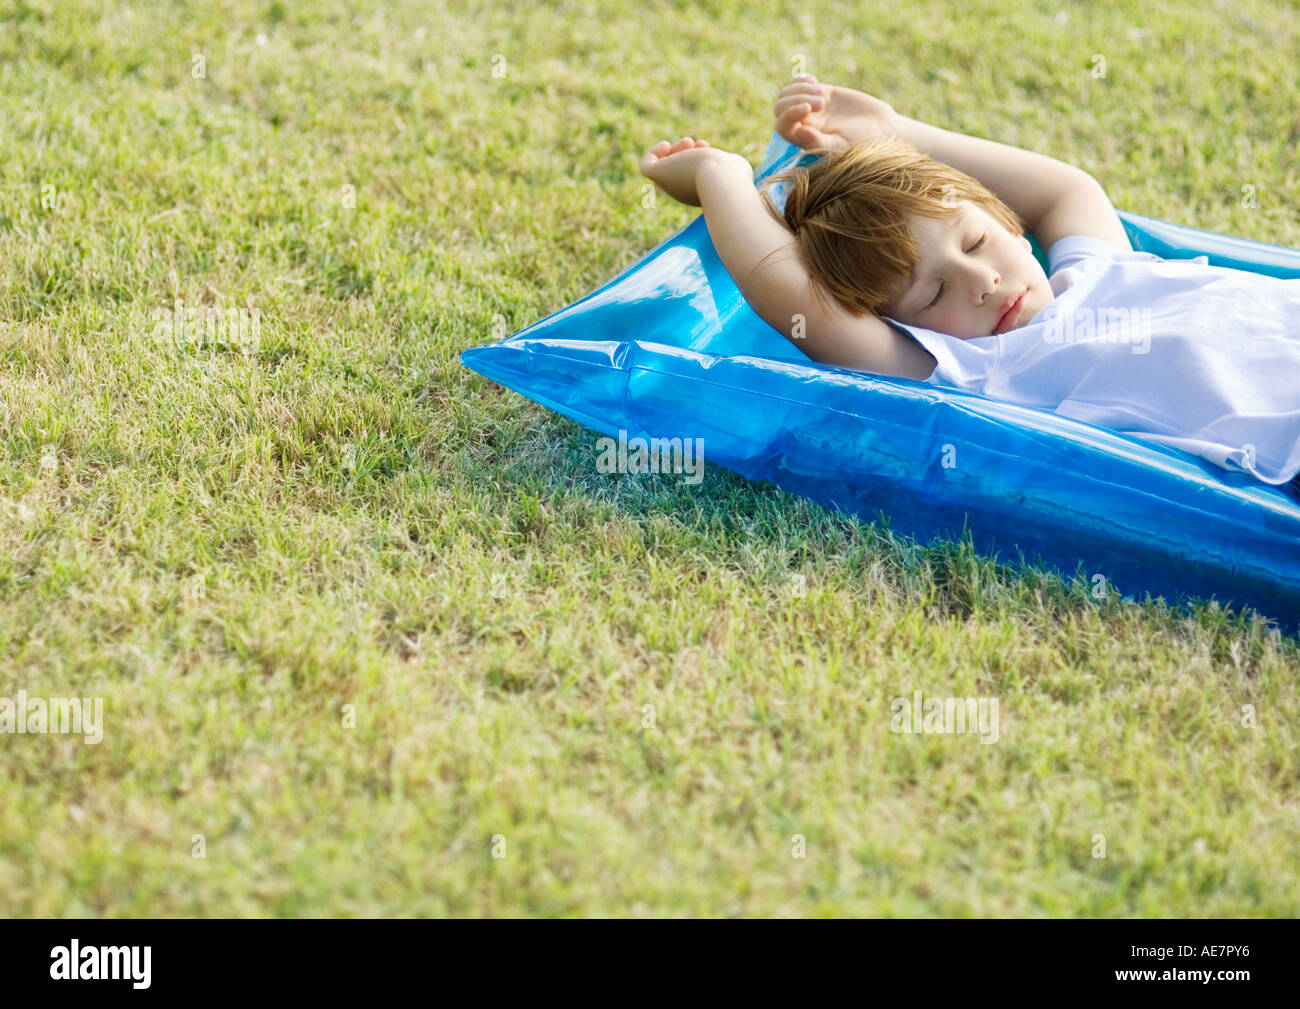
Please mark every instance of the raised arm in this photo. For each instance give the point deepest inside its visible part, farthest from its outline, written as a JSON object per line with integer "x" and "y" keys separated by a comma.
{"x": 1053, "y": 198}
{"x": 761, "y": 256}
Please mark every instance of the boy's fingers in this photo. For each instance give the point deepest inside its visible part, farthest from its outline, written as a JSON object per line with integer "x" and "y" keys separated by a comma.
{"x": 665, "y": 149}
{"x": 791, "y": 117}
{"x": 790, "y": 110}
{"x": 811, "y": 103}
{"x": 808, "y": 137}
{"x": 802, "y": 90}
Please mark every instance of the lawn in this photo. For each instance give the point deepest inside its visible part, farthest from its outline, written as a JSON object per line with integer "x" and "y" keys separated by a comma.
{"x": 374, "y": 636}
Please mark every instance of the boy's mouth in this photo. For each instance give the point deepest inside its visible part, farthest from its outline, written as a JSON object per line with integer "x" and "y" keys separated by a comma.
{"x": 1010, "y": 313}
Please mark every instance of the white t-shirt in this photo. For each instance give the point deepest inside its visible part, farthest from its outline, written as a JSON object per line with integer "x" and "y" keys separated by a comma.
{"x": 1202, "y": 358}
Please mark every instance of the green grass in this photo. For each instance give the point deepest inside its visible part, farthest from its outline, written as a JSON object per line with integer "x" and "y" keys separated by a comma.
{"x": 229, "y": 547}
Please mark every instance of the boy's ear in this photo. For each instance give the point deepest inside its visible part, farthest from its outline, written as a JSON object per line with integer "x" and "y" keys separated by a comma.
{"x": 1024, "y": 241}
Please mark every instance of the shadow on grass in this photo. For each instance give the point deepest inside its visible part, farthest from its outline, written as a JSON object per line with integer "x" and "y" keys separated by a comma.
{"x": 549, "y": 468}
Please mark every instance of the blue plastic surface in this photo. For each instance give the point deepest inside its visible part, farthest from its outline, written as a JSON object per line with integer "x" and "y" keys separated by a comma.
{"x": 669, "y": 348}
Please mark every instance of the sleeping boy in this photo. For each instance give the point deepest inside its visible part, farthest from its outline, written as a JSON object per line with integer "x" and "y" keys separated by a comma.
{"x": 902, "y": 252}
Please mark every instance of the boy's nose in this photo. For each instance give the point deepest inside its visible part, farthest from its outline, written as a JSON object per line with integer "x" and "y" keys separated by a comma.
{"x": 986, "y": 285}
{"x": 984, "y": 280}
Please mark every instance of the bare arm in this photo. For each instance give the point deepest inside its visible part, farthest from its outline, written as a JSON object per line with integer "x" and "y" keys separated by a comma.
{"x": 760, "y": 254}
{"x": 1054, "y": 199}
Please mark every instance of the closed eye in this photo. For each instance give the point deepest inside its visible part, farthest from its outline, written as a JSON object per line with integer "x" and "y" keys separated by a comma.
{"x": 939, "y": 293}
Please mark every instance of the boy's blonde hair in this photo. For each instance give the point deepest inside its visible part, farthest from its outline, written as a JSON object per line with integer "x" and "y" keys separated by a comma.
{"x": 849, "y": 214}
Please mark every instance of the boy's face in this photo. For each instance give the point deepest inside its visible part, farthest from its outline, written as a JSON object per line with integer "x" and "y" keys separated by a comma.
{"x": 976, "y": 269}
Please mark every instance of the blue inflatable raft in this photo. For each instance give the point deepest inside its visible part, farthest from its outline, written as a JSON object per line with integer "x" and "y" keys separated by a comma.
{"x": 670, "y": 349}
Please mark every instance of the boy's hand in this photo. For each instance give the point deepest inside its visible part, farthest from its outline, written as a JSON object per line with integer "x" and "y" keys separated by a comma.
{"x": 810, "y": 114}
{"x": 672, "y": 167}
